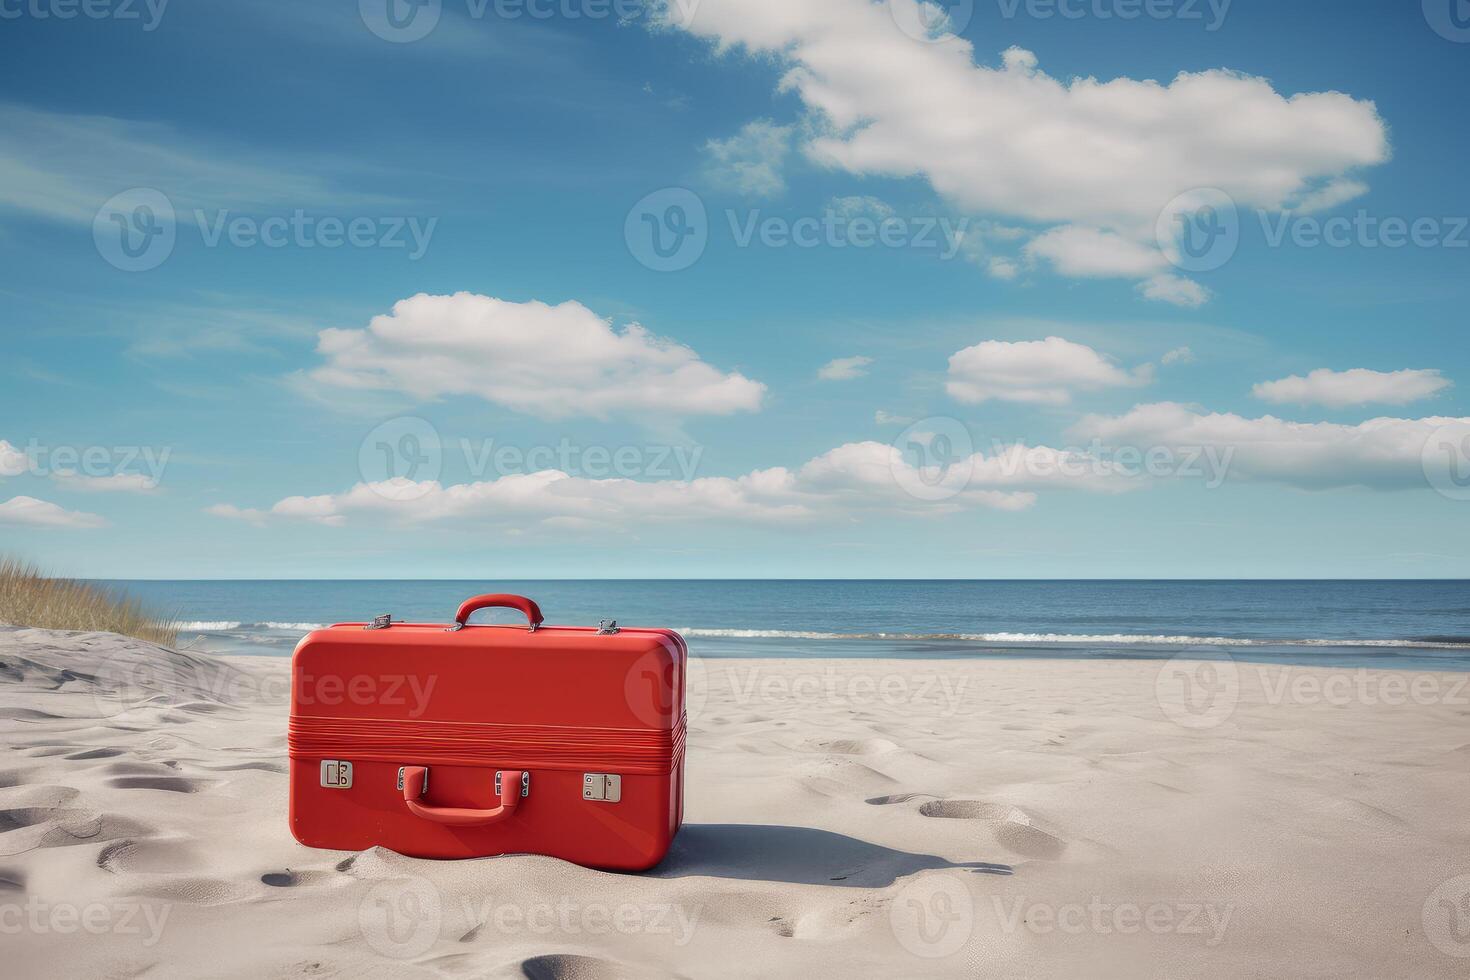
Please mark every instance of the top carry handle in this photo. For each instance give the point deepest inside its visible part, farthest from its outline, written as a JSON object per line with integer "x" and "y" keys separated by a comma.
{"x": 498, "y": 600}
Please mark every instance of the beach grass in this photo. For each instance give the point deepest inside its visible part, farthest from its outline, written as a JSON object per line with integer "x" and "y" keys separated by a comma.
{"x": 30, "y": 597}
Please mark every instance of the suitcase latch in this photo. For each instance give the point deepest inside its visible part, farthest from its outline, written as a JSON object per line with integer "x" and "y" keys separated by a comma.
{"x": 525, "y": 783}
{"x": 424, "y": 788}
{"x": 605, "y": 787}
{"x": 336, "y": 774}
{"x": 606, "y": 626}
{"x": 380, "y": 622}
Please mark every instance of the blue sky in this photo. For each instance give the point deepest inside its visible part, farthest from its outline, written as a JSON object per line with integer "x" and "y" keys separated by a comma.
{"x": 846, "y": 407}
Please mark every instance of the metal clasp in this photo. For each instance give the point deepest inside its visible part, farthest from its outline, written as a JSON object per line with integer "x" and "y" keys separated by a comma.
{"x": 525, "y": 782}
{"x": 424, "y": 788}
{"x": 336, "y": 774}
{"x": 606, "y": 626}
{"x": 605, "y": 787}
{"x": 380, "y": 622}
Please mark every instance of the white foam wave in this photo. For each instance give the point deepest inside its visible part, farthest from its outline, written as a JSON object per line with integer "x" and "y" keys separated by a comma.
{"x": 225, "y": 626}
{"x": 1108, "y": 639}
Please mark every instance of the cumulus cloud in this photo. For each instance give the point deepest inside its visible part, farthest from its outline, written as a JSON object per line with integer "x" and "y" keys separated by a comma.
{"x": 751, "y": 161}
{"x": 1359, "y": 386}
{"x": 1381, "y": 453}
{"x": 1093, "y": 253}
{"x": 844, "y": 368}
{"x": 852, "y": 480}
{"x": 1168, "y": 288}
{"x": 1036, "y": 371}
{"x": 1179, "y": 355}
{"x": 30, "y": 512}
{"x": 548, "y": 361}
{"x": 1105, "y": 156}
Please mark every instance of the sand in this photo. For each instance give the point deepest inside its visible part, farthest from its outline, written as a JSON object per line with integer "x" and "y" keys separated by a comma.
{"x": 844, "y": 818}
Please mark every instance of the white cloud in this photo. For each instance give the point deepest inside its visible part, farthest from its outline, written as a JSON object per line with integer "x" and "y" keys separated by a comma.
{"x": 884, "y": 418}
{"x": 114, "y": 483}
{"x": 844, "y": 368}
{"x": 751, "y": 161}
{"x": 1037, "y": 371}
{"x": 1382, "y": 453}
{"x": 1179, "y": 355}
{"x": 1011, "y": 140}
{"x": 230, "y": 512}
{"x": 1359, "y": 386}
{"x": 30, "y": 512}
{"x": 548, "y": 361}
{"x": 1002, "y": 268}
{"x": 860, "y": 205}
{"x": 1094, "y": 253}
{"x": 850, "y": 481}
{"x": 1169, "y": 288}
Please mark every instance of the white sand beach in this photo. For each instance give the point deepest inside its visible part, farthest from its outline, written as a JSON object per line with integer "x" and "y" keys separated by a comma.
{"x": 844, "y": 818}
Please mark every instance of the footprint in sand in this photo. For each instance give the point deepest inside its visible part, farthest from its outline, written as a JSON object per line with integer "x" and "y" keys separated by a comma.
{"x": 150, "y": 856}
{"x": 898, "y": 798}
{"x": 1014, "y": 828}
{"x": 169, "y": 784}
{"x": 854, "y": 746}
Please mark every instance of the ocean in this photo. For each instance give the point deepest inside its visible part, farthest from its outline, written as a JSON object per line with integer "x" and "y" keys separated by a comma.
{"x": 1404, "y": 624}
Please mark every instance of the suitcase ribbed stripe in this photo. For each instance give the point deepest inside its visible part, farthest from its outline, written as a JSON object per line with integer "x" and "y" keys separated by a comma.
{"x": 463, "y": 743}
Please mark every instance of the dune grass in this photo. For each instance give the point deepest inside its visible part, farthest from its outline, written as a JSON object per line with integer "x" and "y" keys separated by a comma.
{"x": 29, "y": 597}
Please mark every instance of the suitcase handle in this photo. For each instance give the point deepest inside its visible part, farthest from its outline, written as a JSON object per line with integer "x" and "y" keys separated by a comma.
{"x": 416, "y": 782}
{"x": 498, "y": 600}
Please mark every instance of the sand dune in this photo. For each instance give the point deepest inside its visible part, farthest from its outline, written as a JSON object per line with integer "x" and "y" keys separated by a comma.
{"x": 844, "y": 818}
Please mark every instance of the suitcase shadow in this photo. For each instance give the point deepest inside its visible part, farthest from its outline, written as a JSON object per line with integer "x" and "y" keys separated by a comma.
{"x": 798, "y": 855}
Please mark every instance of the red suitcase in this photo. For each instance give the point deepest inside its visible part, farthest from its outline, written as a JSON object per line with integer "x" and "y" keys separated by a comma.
{"x": 466, "y": 740}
